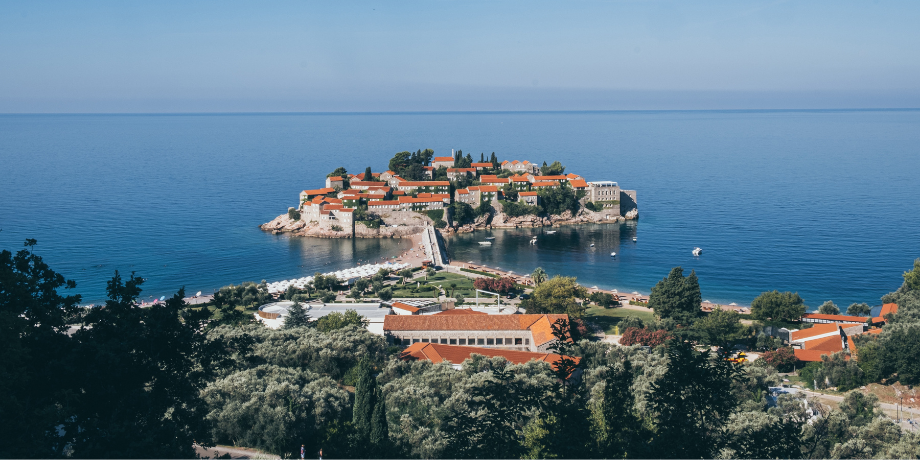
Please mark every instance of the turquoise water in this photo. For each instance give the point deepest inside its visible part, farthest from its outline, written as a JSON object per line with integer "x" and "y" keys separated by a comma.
{"x": 820, "y": 202}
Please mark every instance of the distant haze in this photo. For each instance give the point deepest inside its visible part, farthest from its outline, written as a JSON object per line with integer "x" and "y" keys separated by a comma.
{"x": 226, "y": 56}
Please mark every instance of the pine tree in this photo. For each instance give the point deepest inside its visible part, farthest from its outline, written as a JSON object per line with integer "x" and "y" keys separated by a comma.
{"x": 618, "y": 423}
{"x": 677, "y": 296}
{"x": 494, "y": 160}
{"x": 368, "y": 175}
{"x": 297, "y": 317}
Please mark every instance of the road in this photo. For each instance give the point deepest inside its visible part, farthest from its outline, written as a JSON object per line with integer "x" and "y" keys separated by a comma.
{"x": 234, "y": 452}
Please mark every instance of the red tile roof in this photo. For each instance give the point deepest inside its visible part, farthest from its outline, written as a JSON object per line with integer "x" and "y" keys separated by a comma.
{"x": 463, "y": 191}
{"x": 496, "y": 180}
{"x": 839, "y": 318}
{"x": 425, "y": 183}
{"x": 456, "y": 354}
{"x": 817, "y": 329}
{"x": 488, "y": 188}
{"x": 382, "y": 203}
{"x": 886, "y": 309}
{"x": 528, "y": 193}
{"x": 519, "y": 178}
{"x": 441, "y": 159}
{"x": 461, "y": 311}
{"x": 539, "y": 325}
{"x": 319, "y": 191}
{"x": 578, "y": 183}
{"x": 543, "y": 178}
{"x": 403, "y": 306}
{"x": 481, "y": 165}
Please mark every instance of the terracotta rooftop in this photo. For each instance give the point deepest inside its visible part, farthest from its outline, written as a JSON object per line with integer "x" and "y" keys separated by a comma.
{"x": 481, "y": 165}
{"x": 541, "y": 178}
{"x": 539, "y": 325}
{"x": 424, "y": 183}
{"x": 817, "y": 329}
{"x": 460, "y": 311}
{"x": 578, "y": 183}
{"x": 528, "y": 193}
{"x": 519, "y": 178}
{"x": 405, "y": 307}
{"x": 886, "y": 309}
{"x": 456, "y": 354}
{"x": 443, "y": 159}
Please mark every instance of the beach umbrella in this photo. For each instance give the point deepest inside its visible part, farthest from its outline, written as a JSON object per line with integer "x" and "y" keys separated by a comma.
{"x": 162, "y": 298}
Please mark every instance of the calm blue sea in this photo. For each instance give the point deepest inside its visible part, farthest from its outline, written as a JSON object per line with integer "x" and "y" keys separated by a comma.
{"x": 820, "y": 202}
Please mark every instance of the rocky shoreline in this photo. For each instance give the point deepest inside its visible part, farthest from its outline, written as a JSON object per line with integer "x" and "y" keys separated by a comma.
{"x": 284, "y": 224}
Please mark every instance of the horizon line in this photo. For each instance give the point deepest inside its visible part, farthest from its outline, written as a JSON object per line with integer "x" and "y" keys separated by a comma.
{"x": 434, "y": 112}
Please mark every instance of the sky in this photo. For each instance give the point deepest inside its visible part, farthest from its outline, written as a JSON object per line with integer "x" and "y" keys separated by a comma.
{"x": 440, "y": 55}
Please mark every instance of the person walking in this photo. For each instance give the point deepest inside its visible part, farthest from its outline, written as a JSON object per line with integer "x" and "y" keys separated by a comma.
{"x": 301, "y": 452}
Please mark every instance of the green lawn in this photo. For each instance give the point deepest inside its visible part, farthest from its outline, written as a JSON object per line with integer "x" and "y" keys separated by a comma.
{"x": 607, "y": 318}
{"x": 443, "y": 279}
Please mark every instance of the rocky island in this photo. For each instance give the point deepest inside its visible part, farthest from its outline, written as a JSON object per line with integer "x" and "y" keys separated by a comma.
{"x": 454, "y": 194}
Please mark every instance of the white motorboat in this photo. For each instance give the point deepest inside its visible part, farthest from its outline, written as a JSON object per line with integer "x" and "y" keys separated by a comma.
{"x": 550, "y": 232}
{"x": 592, "y": 245}
{"x": 697, "y": 251}
{"x": 634, "y": 239}
{"x": 486, "y": 243}
{"x": 613, "y": 254}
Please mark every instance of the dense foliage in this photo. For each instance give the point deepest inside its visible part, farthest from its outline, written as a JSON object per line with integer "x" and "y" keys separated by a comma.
{"x": 500, "y": 285}
{"x": 557, "y": 295}
{"x": 556, "y": 201}
{"x": 148, "y": 382}
{"x": 780, "y": 306}
{"x": 515, "y": 209}
{"x": 677, "y": 297}
{"x": 645, "y": 337}
{"x": 410, "y": 165}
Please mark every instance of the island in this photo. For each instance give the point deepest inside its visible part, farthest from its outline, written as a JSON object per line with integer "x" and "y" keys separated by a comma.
{"x": 454, "y": 194}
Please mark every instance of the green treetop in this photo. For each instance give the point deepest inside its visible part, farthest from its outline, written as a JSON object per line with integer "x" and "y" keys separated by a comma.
{"x": 677, "y": 297}
{"x": 778, "y": 306}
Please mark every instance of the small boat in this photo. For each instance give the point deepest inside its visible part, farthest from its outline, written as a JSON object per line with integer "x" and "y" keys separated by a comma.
{"x": 634, "y": 239}
{"x": 486, "y": 243}
{"x": 533, "y": 240}
{"x": 613, "y": 254}
{"x": 490, "y": 237}
{"x": 592, "y": 245}
{"x": 550, "y": 232}
{"x": 697, "y": 251}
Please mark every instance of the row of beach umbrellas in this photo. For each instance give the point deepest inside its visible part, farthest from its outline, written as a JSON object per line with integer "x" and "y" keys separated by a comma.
{"x": 362, "y": 271}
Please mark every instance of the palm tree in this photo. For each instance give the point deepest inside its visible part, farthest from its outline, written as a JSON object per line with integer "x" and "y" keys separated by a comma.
{"x": 453, "y": 286}
{"x": 538, "y": 276}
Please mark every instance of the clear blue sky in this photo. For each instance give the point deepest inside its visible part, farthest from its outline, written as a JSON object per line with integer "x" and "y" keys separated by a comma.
{"x": 166, "y": 56}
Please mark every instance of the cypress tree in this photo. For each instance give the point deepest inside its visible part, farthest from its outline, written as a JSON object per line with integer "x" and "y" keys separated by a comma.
{"x": 482, "y": 157}
{"x": 380, "y": 431}
{"x": 365, "y": 395}
{"x": 367, "y": 174}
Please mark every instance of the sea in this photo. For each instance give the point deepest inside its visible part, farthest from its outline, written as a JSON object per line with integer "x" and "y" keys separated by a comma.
{"x": 825, "y": 203}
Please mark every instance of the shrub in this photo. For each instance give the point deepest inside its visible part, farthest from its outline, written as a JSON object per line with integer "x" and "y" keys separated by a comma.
{"x": 438, "y": 223}
{"x": 436, "y": 214}
{"x": 646, "y": 337}
{"x": 499, "y": 285}
{"x": 630, "y": 322}
{"x": 782, "y": 359}
{"x": 294, "y": 214}
{"x": 385, "y": 294}
{"x": 337, "y": 228}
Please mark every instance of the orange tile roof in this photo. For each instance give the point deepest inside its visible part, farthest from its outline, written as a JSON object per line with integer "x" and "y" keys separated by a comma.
{"x": 461, "y": 169}
{"x": 443, "y": 159}
{"x": 876, "y": 330}
{"x": 382, "y": 203}
{"x": 886, "y": 309}
{"x": 519, "y": 178}
{"x": 505, "y": 162}
{"x": 481, "y": 165}
{"x": 543, "y": 178}
{"x": 361, "y": 176}
{"x": 541, "y": 333}
{"x": 810, "y": 355}
{"x": 463, "y": 191}
{"x": 528, "y": 193}
{"x": 461, "y": 311}
{"x": 573, "y": 176}
{"x": 336, "y": 178}
{"x": 841, "y": 318}
{"x": 456, "y": 354}
{"x": 319, "y": 191}
{"x": 832, "y": 344}
{"x": 817, "y": 329}
{"x": 488, "y": 188}
{"x": 428, "y": 168}
{"x": 403, "y": 306}
{"x": 425, "y": 183}
{"x": 578, "y": 183}
{"x": 497, "y": 180}
{"x": 347, "y": 210}
{"x": 488, "y": 176}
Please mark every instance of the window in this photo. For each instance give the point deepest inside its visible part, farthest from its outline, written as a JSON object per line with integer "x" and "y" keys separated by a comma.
{"x": 424, "y": 340}
{"x": 480, "y": 342}
{"x": 490, "y": 341}
{"x": 499, "y": 341}
{"x": 508, "y": 341}
{"x": 407, "y": 341}
{"x": 526, "y": 341}
{"x": 462, "y": 341}
{"x": 414, "y": 340}
{"x": 517, "y": 341}
{"x": 471, "y": 342}
{"x": 444, "y": 341}
{"x": 454, "y": 341}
